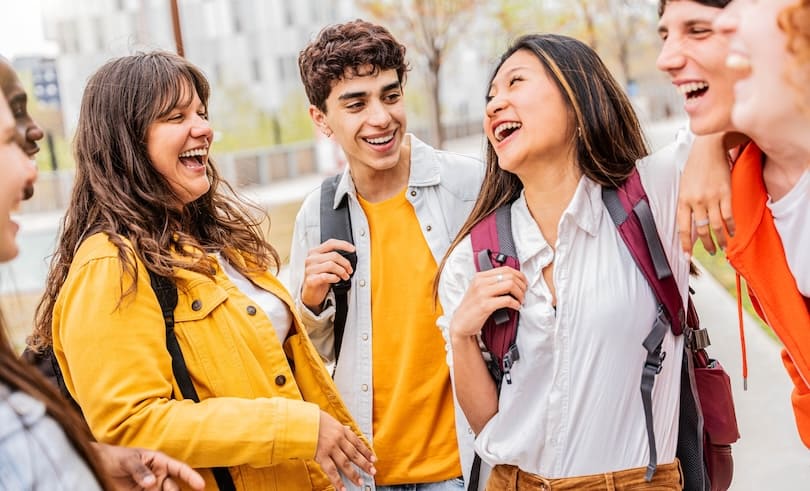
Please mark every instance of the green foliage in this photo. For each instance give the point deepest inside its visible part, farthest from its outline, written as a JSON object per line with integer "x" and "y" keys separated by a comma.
{"x": 240, "y": 124}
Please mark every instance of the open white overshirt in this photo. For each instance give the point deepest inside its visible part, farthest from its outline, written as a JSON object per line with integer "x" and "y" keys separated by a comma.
{"x": 574, "y": 405}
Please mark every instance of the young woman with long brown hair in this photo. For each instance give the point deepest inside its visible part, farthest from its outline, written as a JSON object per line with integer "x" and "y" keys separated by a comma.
{"x": 148, "y": 198}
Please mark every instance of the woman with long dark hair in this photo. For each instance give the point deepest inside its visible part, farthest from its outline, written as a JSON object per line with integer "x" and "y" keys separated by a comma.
{"x": 559, "y": 129}
{"x": 147, "y": 199}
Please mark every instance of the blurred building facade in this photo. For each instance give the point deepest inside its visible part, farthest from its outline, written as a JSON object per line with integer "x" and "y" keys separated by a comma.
{"x": 250, "y": 44}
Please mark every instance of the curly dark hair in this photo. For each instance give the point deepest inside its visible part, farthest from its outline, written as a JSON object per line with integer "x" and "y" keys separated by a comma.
{"x": 356, "y": 48}
{"x": 118, "y": 191}
{"x": 662, "y": 4}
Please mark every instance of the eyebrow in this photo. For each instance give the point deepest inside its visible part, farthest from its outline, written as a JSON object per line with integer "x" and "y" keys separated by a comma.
{"x": 357, "y": 95}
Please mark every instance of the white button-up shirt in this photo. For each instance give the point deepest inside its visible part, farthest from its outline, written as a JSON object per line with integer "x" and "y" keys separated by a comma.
{"x": 442, "y": 187}
{"x": 574, "y": 405}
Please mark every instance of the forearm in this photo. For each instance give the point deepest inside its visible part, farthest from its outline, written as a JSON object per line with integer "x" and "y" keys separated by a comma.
{"x": 475, "y": 389}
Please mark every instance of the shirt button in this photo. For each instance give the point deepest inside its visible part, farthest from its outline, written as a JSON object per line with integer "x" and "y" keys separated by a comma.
{"x": 362, "y": 282}
{"x": 365, "y": 337}
{"x": 281, "y": 380}
{"x": 428, "y": 228}
{"x": 364, "y": 388}
{"x": 413, "y": 192}
{"x": 251, "y": 310}
{"x": 196, "y": 305}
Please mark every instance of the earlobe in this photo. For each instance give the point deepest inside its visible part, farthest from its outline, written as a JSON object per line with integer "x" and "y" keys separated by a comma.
{"x": 319, "y": 118}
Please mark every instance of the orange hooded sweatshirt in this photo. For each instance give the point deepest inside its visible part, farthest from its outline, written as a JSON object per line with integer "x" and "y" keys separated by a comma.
{"x": 757, "y": 254}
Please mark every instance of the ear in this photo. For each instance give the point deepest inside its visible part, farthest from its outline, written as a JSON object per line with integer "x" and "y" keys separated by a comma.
{"x": 319, "y": 118}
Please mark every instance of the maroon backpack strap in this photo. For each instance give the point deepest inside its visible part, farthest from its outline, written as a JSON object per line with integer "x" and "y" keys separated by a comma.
{"x": 630, "y": 210}
{"x": 493, "y": 246}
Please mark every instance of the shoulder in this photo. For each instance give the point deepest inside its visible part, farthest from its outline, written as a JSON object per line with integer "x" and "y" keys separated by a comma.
{"x": 462, "y": 175}
{"x": 95, "y": 247}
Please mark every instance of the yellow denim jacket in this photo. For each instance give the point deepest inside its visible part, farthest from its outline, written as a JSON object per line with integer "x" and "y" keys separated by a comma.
{"x": 259, "y": 410}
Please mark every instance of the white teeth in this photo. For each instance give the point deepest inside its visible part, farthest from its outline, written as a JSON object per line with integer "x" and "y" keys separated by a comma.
{"x": 688, "y": 88}
{"x": 197, "y": 152}
{"x": 380, "y": 140}
{"x": 736, "y": 61}
{"x": 503, "y": 127}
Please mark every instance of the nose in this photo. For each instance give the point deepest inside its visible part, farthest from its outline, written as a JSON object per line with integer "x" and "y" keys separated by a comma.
{"x": 202, "y": 129}
{"x": 671, "y": 56}
{"x": 378, "y": 114}
{"x": 494, "y": 105}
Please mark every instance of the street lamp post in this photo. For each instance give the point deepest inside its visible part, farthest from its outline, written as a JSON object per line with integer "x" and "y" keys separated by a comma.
{"x": 178, "y": 33}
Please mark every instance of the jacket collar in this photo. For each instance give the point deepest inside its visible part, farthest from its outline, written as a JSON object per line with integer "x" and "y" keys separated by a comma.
{"x": 424, "y": 171}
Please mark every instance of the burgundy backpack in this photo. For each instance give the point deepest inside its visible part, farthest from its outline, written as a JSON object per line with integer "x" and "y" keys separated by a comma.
{"x": 707, "y": 421}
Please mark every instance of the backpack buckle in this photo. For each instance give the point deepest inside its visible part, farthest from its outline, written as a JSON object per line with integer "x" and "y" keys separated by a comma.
{"x": 656, "y": 365}
{"x": 509, "y": 359}
{"x": 697, "y": 339}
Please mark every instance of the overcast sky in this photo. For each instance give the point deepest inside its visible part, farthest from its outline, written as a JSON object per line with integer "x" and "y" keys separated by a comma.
{"x": 21, "y": 29}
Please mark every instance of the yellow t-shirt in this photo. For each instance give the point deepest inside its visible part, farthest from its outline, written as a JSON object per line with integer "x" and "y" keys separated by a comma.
{"x": 413, "y": 418}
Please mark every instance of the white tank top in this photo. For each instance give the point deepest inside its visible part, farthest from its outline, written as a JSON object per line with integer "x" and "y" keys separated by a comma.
{"x": 790, "y": 214}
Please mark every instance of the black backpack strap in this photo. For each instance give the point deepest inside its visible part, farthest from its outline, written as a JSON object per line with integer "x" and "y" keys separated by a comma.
{"x": 166, "y": 293}
{"x": 337, "y": 224}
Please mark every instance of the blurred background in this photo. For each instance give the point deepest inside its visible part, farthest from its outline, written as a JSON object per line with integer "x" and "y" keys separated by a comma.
{"x": 264, "y": 140}
{"x": 265, "y": 144}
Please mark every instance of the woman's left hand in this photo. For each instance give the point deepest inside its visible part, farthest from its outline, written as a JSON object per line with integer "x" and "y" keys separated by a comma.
{"x": 141, "y": 469}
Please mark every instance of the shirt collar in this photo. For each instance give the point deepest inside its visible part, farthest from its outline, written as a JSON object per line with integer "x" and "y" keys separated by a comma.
{"x": 585, "y": 211}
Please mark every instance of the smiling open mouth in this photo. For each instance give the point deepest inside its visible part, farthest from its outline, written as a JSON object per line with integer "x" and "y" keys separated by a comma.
{"x": 380, "y": 140}
{"x": 505, "y": 129}
{"x": 693, "y": 89}
{"x": 194, "y": 158}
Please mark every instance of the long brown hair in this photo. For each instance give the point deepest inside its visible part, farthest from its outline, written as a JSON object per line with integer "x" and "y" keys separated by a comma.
{"x": 609, "y": 137}
{"x": 18, "y": 375}
{"x": 117, "y": 190}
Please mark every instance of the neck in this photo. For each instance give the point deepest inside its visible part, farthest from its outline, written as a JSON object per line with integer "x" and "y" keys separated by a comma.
{"x": 548, "y": 191}
{"x": 379, "y": 185}
{"x": 785, "y": 163}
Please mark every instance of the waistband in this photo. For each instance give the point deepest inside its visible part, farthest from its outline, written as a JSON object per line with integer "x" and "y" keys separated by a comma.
{"x": 510, "y": 477}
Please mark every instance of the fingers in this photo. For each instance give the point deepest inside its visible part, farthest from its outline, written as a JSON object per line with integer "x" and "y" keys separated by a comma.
{"x": 184, "y": 473}
{"x": 489, "y": 291}
{"x": 717, "y": 225}
{"x": 339, "y": 450}
{"x": 357, "y": 452}
{"x": 701, "y": 222}
{"x": 684, "y": 220}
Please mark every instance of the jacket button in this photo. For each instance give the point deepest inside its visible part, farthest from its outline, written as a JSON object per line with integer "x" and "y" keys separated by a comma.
{"x": 362, "y": 282}
{"x": 251, "y": 310}
{"x": 196, "y": 305}
{"x": 281, "y": 380}
{"x": 413, "y": 192}
{"x": 429, "y": 228}
{"x": 364, "y": 388}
